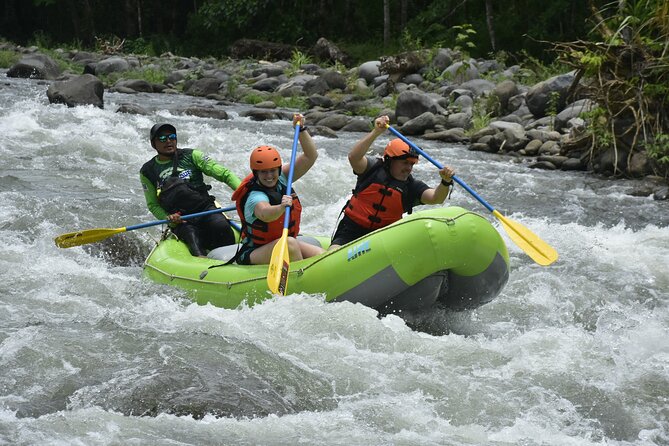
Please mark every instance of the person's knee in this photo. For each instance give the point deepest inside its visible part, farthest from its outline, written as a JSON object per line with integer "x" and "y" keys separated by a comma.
{"x": 294, "y": 249}
{"x": 220, "y": 233}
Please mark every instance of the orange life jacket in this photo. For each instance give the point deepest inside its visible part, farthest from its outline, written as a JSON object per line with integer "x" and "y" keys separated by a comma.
{"x": 378, "y": 199}
{"x": 261, "y": 232}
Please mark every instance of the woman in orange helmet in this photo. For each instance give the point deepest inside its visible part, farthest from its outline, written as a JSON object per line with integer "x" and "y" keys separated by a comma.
{"x": 385, "y": 188}
{"x": 261, "y": 202}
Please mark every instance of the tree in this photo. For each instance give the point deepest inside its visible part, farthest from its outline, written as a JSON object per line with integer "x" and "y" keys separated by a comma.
{"x": 386, "y": 23}
{"x": 489, "y": 22}
{"x": 626, "y": 74}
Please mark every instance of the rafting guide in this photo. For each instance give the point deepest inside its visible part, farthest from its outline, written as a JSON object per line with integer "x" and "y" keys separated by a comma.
{"x": 173, "y": 183}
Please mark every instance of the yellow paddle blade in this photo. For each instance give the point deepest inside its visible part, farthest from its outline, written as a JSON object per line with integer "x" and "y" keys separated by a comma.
{"x": 84, "y": 237}
{"x": 538, "y": 250}
{"x": 279, "y": 265}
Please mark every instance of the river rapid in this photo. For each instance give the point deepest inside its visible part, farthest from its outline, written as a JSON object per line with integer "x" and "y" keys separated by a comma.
{"x": 91, "y": 353}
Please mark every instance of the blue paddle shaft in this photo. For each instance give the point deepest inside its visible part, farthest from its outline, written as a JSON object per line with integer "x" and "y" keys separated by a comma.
{"x": 289, "y": 186}
{"x": 436, "y": 163}
{"x": 183, "y": 217}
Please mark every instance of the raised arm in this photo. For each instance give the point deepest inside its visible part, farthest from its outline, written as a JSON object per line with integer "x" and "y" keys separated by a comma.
{"x": 356, "y": 157}
{"x": 309, "y": 154}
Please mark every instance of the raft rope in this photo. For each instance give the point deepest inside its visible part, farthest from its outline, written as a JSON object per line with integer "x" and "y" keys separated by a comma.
{"x": 447, "y": 220}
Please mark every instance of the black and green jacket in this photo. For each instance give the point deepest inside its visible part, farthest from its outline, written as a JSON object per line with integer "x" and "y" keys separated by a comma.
{"x": 192, "y": 165}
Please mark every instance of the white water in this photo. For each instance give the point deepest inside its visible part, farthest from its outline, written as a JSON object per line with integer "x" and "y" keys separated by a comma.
{"x": 93, "y": 354}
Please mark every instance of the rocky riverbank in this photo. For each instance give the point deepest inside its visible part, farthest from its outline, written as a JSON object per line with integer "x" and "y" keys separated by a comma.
{"x": 432, "y": 94}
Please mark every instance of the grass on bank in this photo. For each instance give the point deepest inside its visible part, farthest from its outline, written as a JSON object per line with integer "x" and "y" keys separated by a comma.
{"x": 8, "y": 58}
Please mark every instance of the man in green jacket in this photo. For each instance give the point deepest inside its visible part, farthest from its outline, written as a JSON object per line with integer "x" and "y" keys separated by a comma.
{"x": 174, "y": 185}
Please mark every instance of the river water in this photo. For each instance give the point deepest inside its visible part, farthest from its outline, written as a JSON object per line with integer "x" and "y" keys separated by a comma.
{"x": 93, "y": 354}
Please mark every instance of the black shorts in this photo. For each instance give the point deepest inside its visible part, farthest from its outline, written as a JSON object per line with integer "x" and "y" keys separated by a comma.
{"x": 244, "y": 255}
{"x": 347, "y": 231}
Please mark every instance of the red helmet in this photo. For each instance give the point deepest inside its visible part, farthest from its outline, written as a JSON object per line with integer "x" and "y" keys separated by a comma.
{"x": 265, "y": 157}
{"x": 399, "y": 150}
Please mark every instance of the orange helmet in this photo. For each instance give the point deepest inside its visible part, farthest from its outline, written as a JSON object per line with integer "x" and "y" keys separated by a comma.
{"x": 399, "y": 150}
{"x": 265, "y": 157}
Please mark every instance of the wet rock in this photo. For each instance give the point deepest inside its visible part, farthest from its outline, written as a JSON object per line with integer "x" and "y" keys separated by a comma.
{"x": 81, "y": 90}
{"x": 35, "y": 66}
{"x": 206, "y": 112}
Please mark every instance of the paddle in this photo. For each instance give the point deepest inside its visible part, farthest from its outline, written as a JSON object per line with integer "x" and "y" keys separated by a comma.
{"x": 279, "y": 264}
{"x": 538, "y": 250}
{"x": 95, "y": 235}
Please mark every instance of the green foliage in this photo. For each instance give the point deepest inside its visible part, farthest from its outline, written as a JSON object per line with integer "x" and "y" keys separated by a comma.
{"x": 253, "y": 98}
{"x": 139, "y": 45}
{"x": 41, "y": 39}
{"x": 533, "y": 70}
{"x": 627, "y": 75}
{"x": 483, "y": 112}
{"x": 151, "y": 75}
{"x": 659, "y": 91}
{"x": 370, "y": 111}
{"x": 432, "y": 75}
{"x": 552, "y": 107}
{"x": 8, "y": 58}
{"x": 64, "y": 64}
{"x": 658, "y": 149}
{"x": 592, "y": 62}
{"x": 363, "y": 51}
{"x": 598, "y": 125}
{"x": 464, "y": 35}
{"x": 409, "y": 42}
{"x": 391, "y": 102}
{"x": 208, "y": 27}
{"x": 294, "y": 102}
{"x": 231, "y": 87}
{"x": 297, "y": 59}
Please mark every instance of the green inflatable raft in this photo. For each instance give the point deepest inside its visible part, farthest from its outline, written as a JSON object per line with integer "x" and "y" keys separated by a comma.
{"x": 444, "y": 256}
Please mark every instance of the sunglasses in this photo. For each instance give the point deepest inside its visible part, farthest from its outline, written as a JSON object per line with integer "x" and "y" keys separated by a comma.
{"x": 164, "y": 138}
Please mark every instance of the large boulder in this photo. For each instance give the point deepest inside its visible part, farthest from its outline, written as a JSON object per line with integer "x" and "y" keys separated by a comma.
{"x": 442, "y": 59}
{"x": 136, "y": 85}
{"x": 419, "y": 124}
{"x": 203, "y": 87}
{"x": 478, "y": 86}
{"x": 81, "y": 90}
{"x": 35, "y": 66}
{"x": 549, "y": 93}
{"x": 461, "y": 71}
{"x": 413, "y": 103}
{"x": 316, "y": 86}
{"x": 334, "y": 80}
{"x": 504, "y": 91}
{"x": 573, "y": 110}
{"x": 112, "y": 65}
{"x": 369, "y": 70}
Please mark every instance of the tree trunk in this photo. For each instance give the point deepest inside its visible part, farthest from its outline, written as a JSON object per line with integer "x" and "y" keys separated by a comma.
{"x": 129, "y": 16}
{"x": 386, "y": 23}
{"x": 88, "y": 28}
{"x": 139, "y": 18}
{"x": 322, "y": 18}
{"x": 601, "y": 24}
{"x": 348, "y": 17}
{"x": 489, "y": 22}
{"x": 403, "y": 14}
